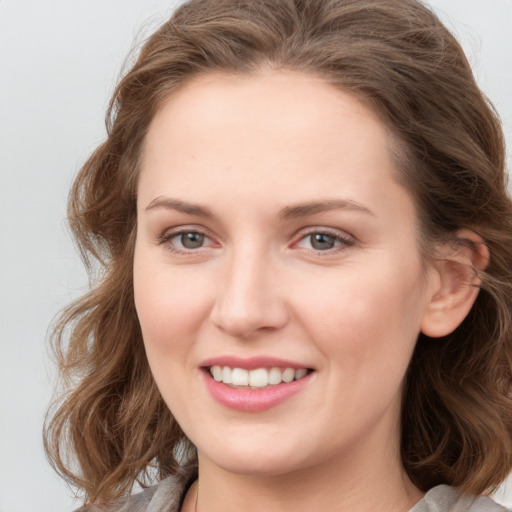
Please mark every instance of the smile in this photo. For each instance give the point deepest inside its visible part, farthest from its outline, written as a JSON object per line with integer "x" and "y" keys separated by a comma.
{"x": 257, "y": 378}
{"x": 261, "y": 385}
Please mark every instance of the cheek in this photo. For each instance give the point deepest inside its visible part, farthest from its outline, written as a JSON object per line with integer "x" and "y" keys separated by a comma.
{"x": 170, "y": 304}
{"x": 366, "y": 323}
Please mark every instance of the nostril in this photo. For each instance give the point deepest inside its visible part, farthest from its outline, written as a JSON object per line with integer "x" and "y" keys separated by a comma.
{"x": 243, "y": 321}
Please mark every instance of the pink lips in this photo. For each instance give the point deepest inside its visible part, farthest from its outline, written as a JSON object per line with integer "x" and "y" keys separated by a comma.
{"x": 252, "y": 400}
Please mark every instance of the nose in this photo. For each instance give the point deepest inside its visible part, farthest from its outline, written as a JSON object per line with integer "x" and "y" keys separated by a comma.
{"x": 248, "y": 299}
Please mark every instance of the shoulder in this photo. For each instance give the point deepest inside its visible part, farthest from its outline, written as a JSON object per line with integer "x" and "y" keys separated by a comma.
{"x": 166, "y": 496}
{"x": 444, "y": 498}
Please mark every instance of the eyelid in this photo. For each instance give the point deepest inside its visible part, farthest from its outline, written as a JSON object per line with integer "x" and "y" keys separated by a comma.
{"x": 339, "y": 235}
{"x": 170, "y": 233}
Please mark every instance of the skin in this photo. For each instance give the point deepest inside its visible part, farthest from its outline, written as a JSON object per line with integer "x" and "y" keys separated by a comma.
{"x": 248, "y": 149}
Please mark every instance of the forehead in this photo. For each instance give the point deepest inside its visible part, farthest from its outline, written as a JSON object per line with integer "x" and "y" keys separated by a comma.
{"x": 269, "y": 102}
{"x": 273, "y": 135}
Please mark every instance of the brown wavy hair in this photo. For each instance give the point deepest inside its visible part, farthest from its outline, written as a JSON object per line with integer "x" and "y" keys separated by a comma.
{"x": 111, "y": 427}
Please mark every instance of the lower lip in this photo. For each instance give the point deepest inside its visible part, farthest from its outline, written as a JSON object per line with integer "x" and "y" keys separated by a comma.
{"x": 254, "y": 400}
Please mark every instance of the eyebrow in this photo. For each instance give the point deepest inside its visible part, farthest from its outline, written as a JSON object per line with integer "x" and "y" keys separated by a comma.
{"x": 303, "y": 210}
{"x": 180, "y": 206}
{"x": 287, "y": 213}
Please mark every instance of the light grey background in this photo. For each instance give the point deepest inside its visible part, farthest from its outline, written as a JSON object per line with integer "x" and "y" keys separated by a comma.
{"x": 59, "y": 61}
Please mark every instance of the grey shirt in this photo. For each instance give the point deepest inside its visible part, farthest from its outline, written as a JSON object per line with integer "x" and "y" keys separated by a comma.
{"x": 167, "y": 496}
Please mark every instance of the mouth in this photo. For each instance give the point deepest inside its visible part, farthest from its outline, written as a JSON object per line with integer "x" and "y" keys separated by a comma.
{"x": 257, "y": 378}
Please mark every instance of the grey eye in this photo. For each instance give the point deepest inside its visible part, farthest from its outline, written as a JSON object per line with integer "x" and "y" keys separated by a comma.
{"x": 322, "y": 242}
{"x": 192, "y": 240}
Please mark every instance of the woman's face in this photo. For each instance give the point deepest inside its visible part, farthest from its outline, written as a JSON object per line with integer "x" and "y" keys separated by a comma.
{"x": 273, "y": 243}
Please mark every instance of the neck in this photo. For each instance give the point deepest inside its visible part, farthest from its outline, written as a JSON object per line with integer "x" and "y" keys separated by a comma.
{"x": 359, "y": 483}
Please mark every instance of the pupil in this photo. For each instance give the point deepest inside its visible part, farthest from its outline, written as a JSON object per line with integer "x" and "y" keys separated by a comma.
{"x": 322, "y": 242}
{"x": 192, "y": 240}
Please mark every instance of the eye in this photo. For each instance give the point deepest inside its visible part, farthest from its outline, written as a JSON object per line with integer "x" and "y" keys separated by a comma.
{"x": 185, "y": 240}
{"x": 324, "y": 241}
{"x": 190, "y": 240}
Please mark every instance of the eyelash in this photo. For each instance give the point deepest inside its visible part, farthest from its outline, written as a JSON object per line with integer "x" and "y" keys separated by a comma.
{"x": 166, "y": 238}
{"x": 343, "y": 240}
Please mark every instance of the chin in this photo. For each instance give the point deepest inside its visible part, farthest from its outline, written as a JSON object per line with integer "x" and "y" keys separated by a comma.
{"x": 257, "y": 458}
{"x": 260, "y": 467}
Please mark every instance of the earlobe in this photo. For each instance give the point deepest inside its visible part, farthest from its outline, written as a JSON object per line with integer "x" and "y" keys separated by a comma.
{"x": 457, "y": 284}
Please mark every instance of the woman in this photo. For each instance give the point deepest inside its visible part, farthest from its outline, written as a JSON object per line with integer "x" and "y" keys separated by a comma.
{"x": 305, "y": 243}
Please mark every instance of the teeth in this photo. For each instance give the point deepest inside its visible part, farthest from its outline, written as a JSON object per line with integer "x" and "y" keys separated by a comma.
{"x": 274, "y": 376}
{"x": 288, "y": 375}
{"x": 300, "y": 373}
{"x": 258, "y": 378}
{"x": 226, "y": 375}
{"x": 216, "y": 372}
{"x": 240, "y": 377}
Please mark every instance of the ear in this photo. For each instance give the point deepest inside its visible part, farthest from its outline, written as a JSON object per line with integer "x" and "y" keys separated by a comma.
{"x": 456, "y": 286}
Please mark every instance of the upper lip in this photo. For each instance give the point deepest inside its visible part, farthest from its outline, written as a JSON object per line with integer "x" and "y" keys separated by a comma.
{"x": 251, "y": 363}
